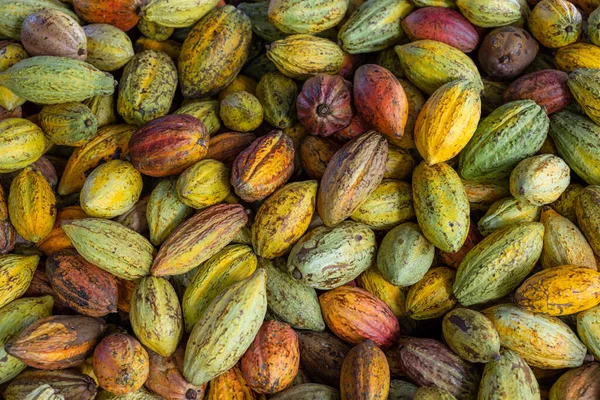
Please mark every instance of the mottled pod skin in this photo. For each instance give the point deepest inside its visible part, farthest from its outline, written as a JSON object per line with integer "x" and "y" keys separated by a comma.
{"x": 230, "y": 385}
{"x": 587, "y": 207}
{"x": 271, "y": 362}
{"x": 120, "y": 13}
{"x": 365, "y": 373}
{"x": 351, "y": 176}
{"x": 555, "y": 23}
{"x": 315, "y": 154}
{"x": 322, "y": 354}
{"x": 81, "y": 285}
{"x": 166, "y": 379}
{"x": 109, "y": 48}
{"x": 263, "y": 167}
{"x": 508, "y": 377}
{"x": 225, "y": 147}
{"x": 120, "y": 363}
{"x": 373, "y": 282}
{"x": 241, "y": 111}
{"x": 199, "y": 238}
{"x": 69, "y": 124}
{"x": 454, "y": 259}
{"x": 548, "y": 88}
{"x": 432, "y": 296}
{"x": 579, "y": 383}
{"x": 585, "y": 86}
{"x": 380, "y": 100}
{"x": 278, "y": 93}
{"x": 588, "y": 322}
{"x": 540, "y": 179}
{"x": 16, "y": 273}
{"x": 506, "y": 52}
{"x": 21, "y": 143}
{"x": 168, "y": 145}
{"x": 441, "y": 24}
{"x": 68, "y": 383}
{"x": 471, "y": 335}
{"x": 578, "y": 55}
{"x": 355, "y": 315}
{"x": 490, "y": 14}
{"x": 204, "y": 184}
{"x": 507, "y": 212}
{"x": 8, "y": 234}
{"x": 57, "y": 342}
{"x": 176, "y": 14}
{"x": 298, "y": 16}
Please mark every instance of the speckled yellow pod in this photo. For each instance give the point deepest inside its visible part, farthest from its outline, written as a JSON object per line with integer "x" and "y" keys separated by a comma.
{"x": 147, "y": 87}
{"x": 430, "y": 64}
{"x": 16, "y": 272}
{"x": 588, "y": 329}
{"x": 21, "y": 143}
{"x": 68, "y": 124}
{"x": 230, "y": 265}
{"x": 593, "y": 29}
{"x": 103, "y": 107}
{"x": 277, "y": 93}
{"x": 204, "y": 184}
{"x": 111, "y": 189}
{"x": 303, "y": 56}
{"x": 578, "y": 55}
{"x": 432, "y": 296}
{"x": 441, "y": 205}
{"x": 177, "y": 13}
{"x": 283, "y": 218}
{"x": 241, "y": 112}
{"x": 555, "y": 23}
{"x": 10, "y": 54}
{"x": 558, "y": 291}
{"x": 301, "y": 16}
{"x": 587, "y": 208}
{"x": 564, "y": 244}
{"x": 399, "y": 164}
{"x": 542, "y": 341}
{"x": 111, "y": 142}
{"x": 490, "y": 14}
{"x": 471, "y": 335}
{"x": 31, "y": 205}
{"x": 565, "y": 205}
{"x": 206, "y": 111}
{"x": 394, "y": 296}
{"x": 540, "y": 180}
{"x": 585, "y": 86}
{"x": 447, "y": 121}
{"x": 509, "y": 377}
{"x": 109, "y": 48}
{"x": 505, "y": 212}
{"x": 390, "y": 204}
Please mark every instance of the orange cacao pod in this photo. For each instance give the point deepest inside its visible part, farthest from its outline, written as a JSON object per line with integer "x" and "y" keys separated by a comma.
{"x": 57, "y": 239}
{"x": 166, "y": 380}
{"x": 120, "y": 13}
{"x": 357, "y": 127}
{"x": 365, "y": 373}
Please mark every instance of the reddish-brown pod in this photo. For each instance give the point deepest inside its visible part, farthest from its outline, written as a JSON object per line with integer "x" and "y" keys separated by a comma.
{"x": 124, "y": 14}
{"x": 441, "y": 24}
{"x": 380, "y": 100}
{"x": 168, "y": 145}
{"x": 454, "y": 259}
{"x": 120, "y": 363}
{"x": 272, "y": 361}
{"x": 350, "y": 64}
{"x": 548, "y": 88}
{"x": 226, "y": 146}
{"x": 125, "y": 290}
{"x": 166, "y": 379}
{"x": 324, "y": 106}
{"x": 81, "y": 285}
{"x": 365, "y": 373}
{"x": 17, "y": 112}
{"x": 357, "y": 127}
{"x": 315, "y": 153}
{"x": 355, "y": 315}
{"x": 57, "y": 342}
{"x": 40, "y": 286}
{"x": 322, "y": 355}
{"x": 263, "y": 167}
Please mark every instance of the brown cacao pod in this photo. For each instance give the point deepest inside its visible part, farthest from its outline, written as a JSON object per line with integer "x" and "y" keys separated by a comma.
{"x": 322, "y": 355}
{"x": 68, "y": 383}
{"x": 506, "y": 52}
{"x": 315, "y": 153}
{"x": 227, "y": 146}
{"x": 581, "y": 383}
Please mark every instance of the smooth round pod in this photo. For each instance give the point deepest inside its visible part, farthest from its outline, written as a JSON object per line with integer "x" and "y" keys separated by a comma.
{"x": 555, "y": 23}
{"x": 111, "y": 189}
{"x": 109, "y": 48}
{"x": 471, "y": 335}
{"x": 241, "y": 111}
{"x": 540, "y": 179}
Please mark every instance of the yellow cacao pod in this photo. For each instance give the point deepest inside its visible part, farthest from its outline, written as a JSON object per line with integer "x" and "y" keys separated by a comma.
{"x": 21, "y": 143}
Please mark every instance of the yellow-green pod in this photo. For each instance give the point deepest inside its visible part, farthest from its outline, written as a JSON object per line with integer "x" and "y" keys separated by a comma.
{"x": 21, "y": 143}
{"x": 394, "y": 296}
{"x": 506, "y": 212}
{"x": 153, "y": 30}
{"x": 10, "y": 54}
{"x": 103, "y": 108}
{"x": 588, "y": 215}
{"x": 390, "y": 204}
{"x": 588, "y": 328}
{"x": 165, "y": 211}
{"x": 509, "y": 377}
{"x": 109, "y": 48}
{"x": 277, "y": 93}
{"x": 302, "y": 16}
{"x": 206, "y": 111}
{"x": 241, "y": 112}
{"x": 204, "y": 184}
{"x": 399, "y": 164}
{"x": 432, "y": 296}
{"x": 68, "y": 124}
{"x": 471, "y": 335}
{"x": 16, "y": 272}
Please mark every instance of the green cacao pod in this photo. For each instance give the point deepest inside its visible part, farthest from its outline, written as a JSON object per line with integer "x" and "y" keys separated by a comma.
{"x": 277, "y": 94}
{"x": 13, "y": 14}
{"x": 433, "y": 393}
{"x": 165, "y": 211}
{"x": 103, "y": 107}
{"x": 68, "y": 124}
{"x": 509, "y": 377}
{"x": 540, "y": 179}
{"x": 588, "y": 325}
{"x": 206, "y": 111}
{"x": 109, "y": 48}
{"x": 487, "y": 274}
{"x": 21, "y": 144}
{"x": 584, "y": 84}
{"x": 261, "y": 24}
{"x": 507, "y": 212}
{"x": 471, "y": 335}
{"x": 390, "y": 204}
{"x": 490, "y": 14}
{"x": 587, "y": 208}
{"x": 178, "y": 13}
{"x": 301, "y": 16}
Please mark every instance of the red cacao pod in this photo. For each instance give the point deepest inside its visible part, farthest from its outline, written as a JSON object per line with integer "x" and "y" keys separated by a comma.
{"x": 548, "y": 88}
{"x": 120, "y": 13}
{"x": 357, "y": 127}
{"x": 227, "y": 146}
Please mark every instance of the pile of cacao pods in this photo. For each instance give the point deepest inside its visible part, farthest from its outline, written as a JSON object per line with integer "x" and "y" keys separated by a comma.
{"x": 299, "y": 199}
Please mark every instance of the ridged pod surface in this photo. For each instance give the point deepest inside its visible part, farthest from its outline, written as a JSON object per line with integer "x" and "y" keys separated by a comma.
{"x": 68, "y": 124}
{"x": 431, "y": 363}
{"x": 241, "y": 111}
{"x": 21, "y": 143}
{"x": 230, "y": 265}
{"x": 302, "y": 56}
{"x": 230, "y": 385}
{"x": 271, "y": 362}
{"x": 565, "y": 205}
{"x": 585, "y": 86}
{"x": 374, "y": 26}
{"x": 263, "y": 167}
{"x": 16, "y": 273}
{"x": 209, "y": 61}
{"x": 351, "y": 176}
{"x": 509, "y": 377}
{"x": 588, "y": 323}
{"x": 227, "y": 146}
{"x": 578, "y": 55}
{"x": 542, "y": 341}
{"x": 261, "y": 24}
{"x": 166, "y": 379}
{"x": 315, "y": 153}
{"x": 593, "y": 30}
{"x": 111, "y": 142}
{"x": 111, "y": 189}
{"x": 111, "y": 246}
{"x": 540, "y": 179}
{"x": 454, "y": 259}
{"x": 380, "y": 100}
{"x": 81, "y": 285}
{"x": 515, "y": 130}
{"x": 555, "y": 23}
{"x": 471, "y": 335}
{"x": 309, "y": 391}
{"x": 178, "y": 13}
{"x": 577, "y": 140}
{"x": 587, "y": 208}
{"x": 198, "y": 239}
{"x": 53, "y": 80}
{"x": 31, "y": 205}
{"x": 430, "y": 64}
{"x": 564, "y": 243}
{"x": 223, "y": 334}
{"x": 490, "y": 14}
{"x": 283, "y": 218}
{"x": 109, "y": 48}
{"x": 57, "y": 342}
{"x": 432, "y": 296}
{"x": 206, "y": 111}
{"x": 548, "y": 88}
{"x": 10, "y": 54}
{"x": 354, "y": 315}
{"x": 486, "y": 273}
{"x": 580, "y": 383}
{"x": 277, "y": 93}
{"x": 14, "y": 14}
{"x": 67, "y": 383}
{"x": 15, "y": 317}
{"x": 373, "y": 282}
{"x": 365, "y": 373}
{"x": 165, "y": 211}
{"x": 558, "y": 291}
{"x": 326, "y": 258}
{"x": 300, "y": 16}
{"x": 405, "y": 255}
{"x": 447, "y": 121}
{"x": 441, "y": 205}
{"x": 204, "y": 184}
{"x": 505, "y": 212}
